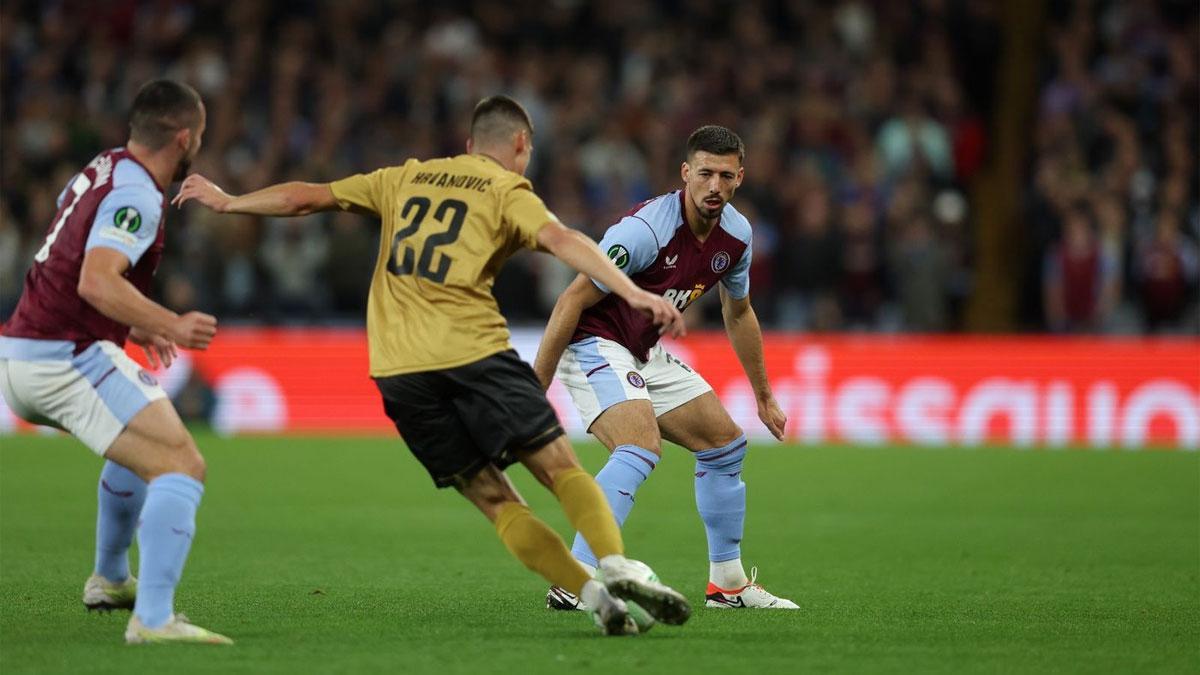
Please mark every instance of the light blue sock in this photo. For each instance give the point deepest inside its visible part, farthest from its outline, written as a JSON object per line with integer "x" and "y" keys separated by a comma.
{"x": 120, "y": 494}
{"x": 627, "y": 468}
{"x": 165, "y": 537}
{"x": 721, "y": 498}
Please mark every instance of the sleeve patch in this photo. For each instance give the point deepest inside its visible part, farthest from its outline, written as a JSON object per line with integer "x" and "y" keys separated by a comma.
{"x": 127, "y": 219}
{"x": 619, "y": 255}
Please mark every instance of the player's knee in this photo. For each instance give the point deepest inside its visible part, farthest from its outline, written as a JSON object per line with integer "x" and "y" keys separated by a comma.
{"x": 651, "y": 443}
{"x": 726, "y": 436}
{"x": 185, "y": 458}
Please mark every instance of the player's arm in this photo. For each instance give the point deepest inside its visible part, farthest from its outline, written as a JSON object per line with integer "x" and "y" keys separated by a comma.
{"x": 745, "y": 334}
{"x": 103, "y": 285}
{"x": 125, "y": 227}
{"x": 285, "y": 199}
{"x": 580, "y": 295}
{"x": 581, "y": 253}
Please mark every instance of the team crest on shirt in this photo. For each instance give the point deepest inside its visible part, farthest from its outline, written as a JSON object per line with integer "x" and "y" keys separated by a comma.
{"x": 720, "y": 262}
{"x": 619, "y": 255}
{"x": 147, "y": 379}
{"x": 634, "y": 378}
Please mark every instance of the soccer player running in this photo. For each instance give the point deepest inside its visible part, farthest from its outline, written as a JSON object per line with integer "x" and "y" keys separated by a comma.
{"x": 631, "y": 393}
{"x": 62, "y": 362}
{"x": 439, "y": 348}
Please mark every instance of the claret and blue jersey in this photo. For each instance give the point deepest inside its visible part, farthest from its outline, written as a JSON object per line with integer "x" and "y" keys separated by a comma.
{"x": 656, "y": 248}
{"x": 113, "y": 203}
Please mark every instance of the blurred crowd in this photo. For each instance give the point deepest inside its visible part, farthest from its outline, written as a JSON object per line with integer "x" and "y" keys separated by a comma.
{"x": 1112, "y": 197}
{"x": 865, "y": 123}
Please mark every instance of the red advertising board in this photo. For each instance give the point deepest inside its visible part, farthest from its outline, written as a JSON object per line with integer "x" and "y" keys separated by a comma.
{"x": 1036, "y": 391}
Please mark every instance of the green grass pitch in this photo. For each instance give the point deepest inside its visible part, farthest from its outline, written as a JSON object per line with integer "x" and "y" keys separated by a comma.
{"x": 337, "y": 555}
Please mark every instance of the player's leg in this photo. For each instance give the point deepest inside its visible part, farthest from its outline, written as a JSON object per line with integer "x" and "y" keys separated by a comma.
{"x": 556, "y": 467}
{"x": 115, "y": 408}
{"x": 120, "y": 493}
{"x": 540, "y": 549}
{"x": 433, "y": 412}
{"x": 629, "y": 431}
{"x": 503, "y": 408}
{"x": 119, "y": 497}
{"x": 704, "y": 426}
{"x": 610, "y": 392}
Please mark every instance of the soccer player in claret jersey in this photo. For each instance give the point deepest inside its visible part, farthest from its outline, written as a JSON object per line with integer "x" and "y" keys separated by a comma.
{"x": 62, "y": 362}
{"x": 439, "y": 348}
{"x": 631, "y": 393}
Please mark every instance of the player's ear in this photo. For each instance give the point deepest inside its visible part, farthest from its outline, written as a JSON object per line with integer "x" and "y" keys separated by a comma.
{"x": 470, "y": 145}
{"x": 684, "y": 171}
{"x": 741, "y": 174}
{"x": 183, "y": 138}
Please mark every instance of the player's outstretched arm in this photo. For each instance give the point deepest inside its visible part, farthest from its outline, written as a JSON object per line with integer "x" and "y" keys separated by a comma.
{"x": 581, "y": 253}
{"x": 103, "y": 286}
{"x": 580, "y": 295}
{"x": 285, "y": 199}
{"x": 741, "y": 323}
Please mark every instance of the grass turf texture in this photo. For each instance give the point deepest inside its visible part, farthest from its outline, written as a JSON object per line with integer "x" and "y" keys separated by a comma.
{"x": 336, "y": 555}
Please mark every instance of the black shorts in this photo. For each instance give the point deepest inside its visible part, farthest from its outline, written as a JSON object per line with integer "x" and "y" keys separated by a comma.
{"x": 459, "y": 420}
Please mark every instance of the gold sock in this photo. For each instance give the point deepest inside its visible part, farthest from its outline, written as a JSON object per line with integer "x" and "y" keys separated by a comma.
{"x": 588, "y": 511}
{"x": 539, "y": 548}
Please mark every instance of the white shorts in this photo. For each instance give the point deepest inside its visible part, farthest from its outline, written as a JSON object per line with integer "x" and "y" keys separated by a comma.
{"x": 93, "y": 395}
{"x": 601, "y": 373}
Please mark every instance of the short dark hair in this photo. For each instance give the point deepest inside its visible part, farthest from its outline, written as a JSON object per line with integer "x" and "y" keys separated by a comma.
{"x": 161, "y": 108}
{"x": 497, "y": 118}
{"x": 716, "y": 140}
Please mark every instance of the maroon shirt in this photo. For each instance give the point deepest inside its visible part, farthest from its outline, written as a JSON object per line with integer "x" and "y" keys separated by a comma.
{"x": 113, "y": 203}
{"x": 654, "y": 245}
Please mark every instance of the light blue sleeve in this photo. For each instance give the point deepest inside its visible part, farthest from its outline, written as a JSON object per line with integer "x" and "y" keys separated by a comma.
{"x": 631, "y": 245}
{"x": 737, "y": 280}
{"x": 127, "y": 220}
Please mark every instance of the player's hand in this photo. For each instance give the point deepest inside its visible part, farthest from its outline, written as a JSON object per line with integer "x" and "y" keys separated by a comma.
{"x": 204, "y": 191}
{"x": 772, "y": 416}
{"x": 194, "y": 330}
{"x": 664, "y": 314}
{"x": 160, "y": 351}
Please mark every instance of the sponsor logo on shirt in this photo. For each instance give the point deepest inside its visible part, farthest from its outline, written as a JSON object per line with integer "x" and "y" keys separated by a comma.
{"x": 720, "y": 262}
{"x": 681, "y": 298}
{"x": 670, "y": 261}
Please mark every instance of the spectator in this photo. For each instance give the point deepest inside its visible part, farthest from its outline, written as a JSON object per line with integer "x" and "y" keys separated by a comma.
{"x": 1167, "y": 271}
{"x": 1080, "y": 280}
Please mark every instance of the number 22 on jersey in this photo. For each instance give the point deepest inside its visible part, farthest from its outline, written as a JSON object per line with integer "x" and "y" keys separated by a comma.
{"x": 400, "y": 262}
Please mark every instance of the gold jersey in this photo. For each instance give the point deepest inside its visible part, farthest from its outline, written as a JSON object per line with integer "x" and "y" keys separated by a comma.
{"x": 448, "y": 226}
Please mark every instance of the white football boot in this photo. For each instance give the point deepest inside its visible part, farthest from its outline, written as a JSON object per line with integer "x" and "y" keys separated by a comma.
{"x": 559, "y": 598}
{"x": 750, "y": 596}
{"x": 104, "y": 595}
{"x": 632, "y": 580}
{"x": 612, "y": 615}
{"x": 177, "y": 629}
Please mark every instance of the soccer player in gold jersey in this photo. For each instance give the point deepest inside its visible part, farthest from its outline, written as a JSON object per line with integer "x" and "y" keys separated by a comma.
{"x": 439, "y": 348}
